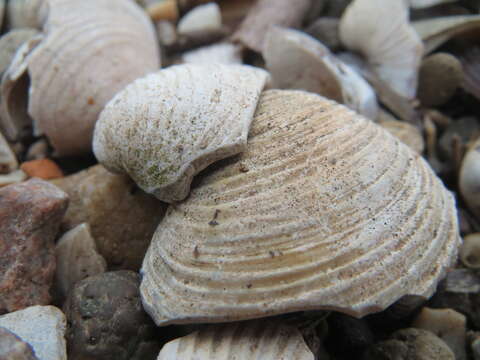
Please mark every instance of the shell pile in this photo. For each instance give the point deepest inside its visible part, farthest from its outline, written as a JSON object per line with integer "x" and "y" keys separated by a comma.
{"x": 294, "y": 183}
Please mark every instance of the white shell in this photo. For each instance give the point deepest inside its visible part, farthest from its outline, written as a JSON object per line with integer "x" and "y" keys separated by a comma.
{"x": 8, "y": 160}
{"x": 298, "y": 61}
{"x": 221, "y": 53}
{"x": 77, "y": 258}
{"x": 381, "y": 32}
{"x": 203, "y": 18}
{"x": 248, "y": 340}
{"x": 323, "y": 210}
{"x": 12, "y": 178}
{"x": 91, "y": 50}
{"x": 165, "y": 128}
{"x": 436, "y": 31}
{"x": 469, "y": 180}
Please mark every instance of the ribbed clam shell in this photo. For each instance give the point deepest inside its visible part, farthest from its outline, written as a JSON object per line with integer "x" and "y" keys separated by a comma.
{"x": 165, "y": 128}
{"x": 324, "y": 210}
{"x": 91, "y": 50}
{"x": 248, "y": 340}
{"x": 437, "y": 31}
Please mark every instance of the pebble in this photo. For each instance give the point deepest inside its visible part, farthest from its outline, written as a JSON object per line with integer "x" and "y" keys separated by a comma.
{"x": 42, "y": 168}
{"x": 77, "y": 259}
{"x": 348, "y": 335}
{"x": 14, "y": 348}
{"x": 30, "y": 215}
{"x": 107, "y": 319}
{"x": 122, "y": 218}
{"x": 410, "y": 344}
{"x": 42, "y": 327}
{"x": 448, "y": 325}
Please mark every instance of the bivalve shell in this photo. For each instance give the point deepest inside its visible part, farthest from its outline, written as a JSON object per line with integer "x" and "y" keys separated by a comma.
{"x": 249, "y": 340}
{"x": 165, "y": 128}
{"x": 91, "y": 50}
{"x": 323, "y": 210}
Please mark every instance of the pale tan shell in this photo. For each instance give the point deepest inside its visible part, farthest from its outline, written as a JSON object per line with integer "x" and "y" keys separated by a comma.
{"x": 469, "y": 179}
{"x": 298, "y": 61}
{"x": 381, "y": 32}
{"x": 221, "y": 53}
{"x": 11, "y": 42}
{"x": 324, "y": 210}
{"x": 201, "y": 19}
{"x": 91, "y": 50}
{"x": 247, "y": 340}
{"x": 436, "y": 31}
{"x": 165, "y": 128}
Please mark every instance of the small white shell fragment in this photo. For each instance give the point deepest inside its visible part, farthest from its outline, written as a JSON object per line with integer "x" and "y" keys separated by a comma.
{"x": 221, "y": 53}
{"x": 12, "y": 178}
{"x": 419, "y": 4}
{"x": 298, "y": 61}
{"x": 8, "y": 160}
{"x": 470, "y": 251}
{"x": 381, "y": 32}
{"x": 247, "y": 340}
{"x": 166, "y": 127}
{"x": 449, "y": 325}
{"x": 324, "y": 210}
{"x": 43, "y": 327}
{"x": 469, "y": 179}
{"x": 436, "y": 31}
{"x": 77, "y": 258}
{"x": 201, "y": 19}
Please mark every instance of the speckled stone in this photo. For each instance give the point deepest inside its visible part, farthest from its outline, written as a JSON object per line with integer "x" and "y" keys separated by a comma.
{"x": 14, "y": 348}
{"x": 410, "y": 344}
{"x": 107, "y": 320}
{"x": 30, "y": 215}
{"x": 42, "y": 327}
{"x": 122, "y": 218}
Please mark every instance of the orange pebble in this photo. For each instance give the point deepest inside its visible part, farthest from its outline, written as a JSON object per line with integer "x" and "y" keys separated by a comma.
{"x": 42, "y": 168}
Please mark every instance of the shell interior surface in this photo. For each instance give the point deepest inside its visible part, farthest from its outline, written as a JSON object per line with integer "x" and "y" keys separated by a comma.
{"x": 165, "y": 128}
{"x": 436, "y": 31}
{"x": 298, "y": 61}
{"x": 381, "y": 32}
{"x": 323, "y": 210}
{"x": 91, "y": 50}
{"x": 248, "y": 340}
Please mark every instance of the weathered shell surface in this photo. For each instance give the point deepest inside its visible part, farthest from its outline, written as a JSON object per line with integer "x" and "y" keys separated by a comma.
{"x": 469, "y": 180}
{"x": 324, "y": 210}
{"x": 436, "y": 31}
{"x": 248, "y": 340}
{"x": 92, "y": 49}
{"x": 381, "y": 32}
{"x": 165, "y": 128}
{"x": 298, "y": 61}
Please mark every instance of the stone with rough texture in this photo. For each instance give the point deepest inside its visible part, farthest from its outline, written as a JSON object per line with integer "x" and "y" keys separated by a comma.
{"x": 107, "y": 319}
{"x": 14, "y": 348}
{"x": 42, "y": 327}
{"x": 122, "y": 218}
{"x": 410, "y": 344}
{"x": 30, "y": 215}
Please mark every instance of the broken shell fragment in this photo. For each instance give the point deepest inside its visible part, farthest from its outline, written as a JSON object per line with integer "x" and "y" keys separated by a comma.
{"x": 202, "y": 19}
{"x": 469, "y": 180}
{"x": 298, "y": 61}
{"x": 470, "y": 251}
{"x": 381, "y": 32}
{"x": 64, "y": 100}
{"x": 11, "y": 42}
{"x": 310, "y": 216}
{"x": 221, "y": 53}
{"x": 266, "y": 13}
{"x": 165, "y": 128}
{"x": 436, "y": 31}
{"x": 266, "y": 340}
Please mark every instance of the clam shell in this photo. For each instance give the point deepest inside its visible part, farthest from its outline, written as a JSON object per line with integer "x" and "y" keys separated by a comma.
{"x": 437, "y": 31}
{"x": 323, "y": 210}
{"x": 298, "y": 61}
{"x": 91, "y": 50}
{"x": 165, "y": 128}
{"x": 469, "y": 179}
{"x": 381, "y": 32}
{"x": 248, "y": 340}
